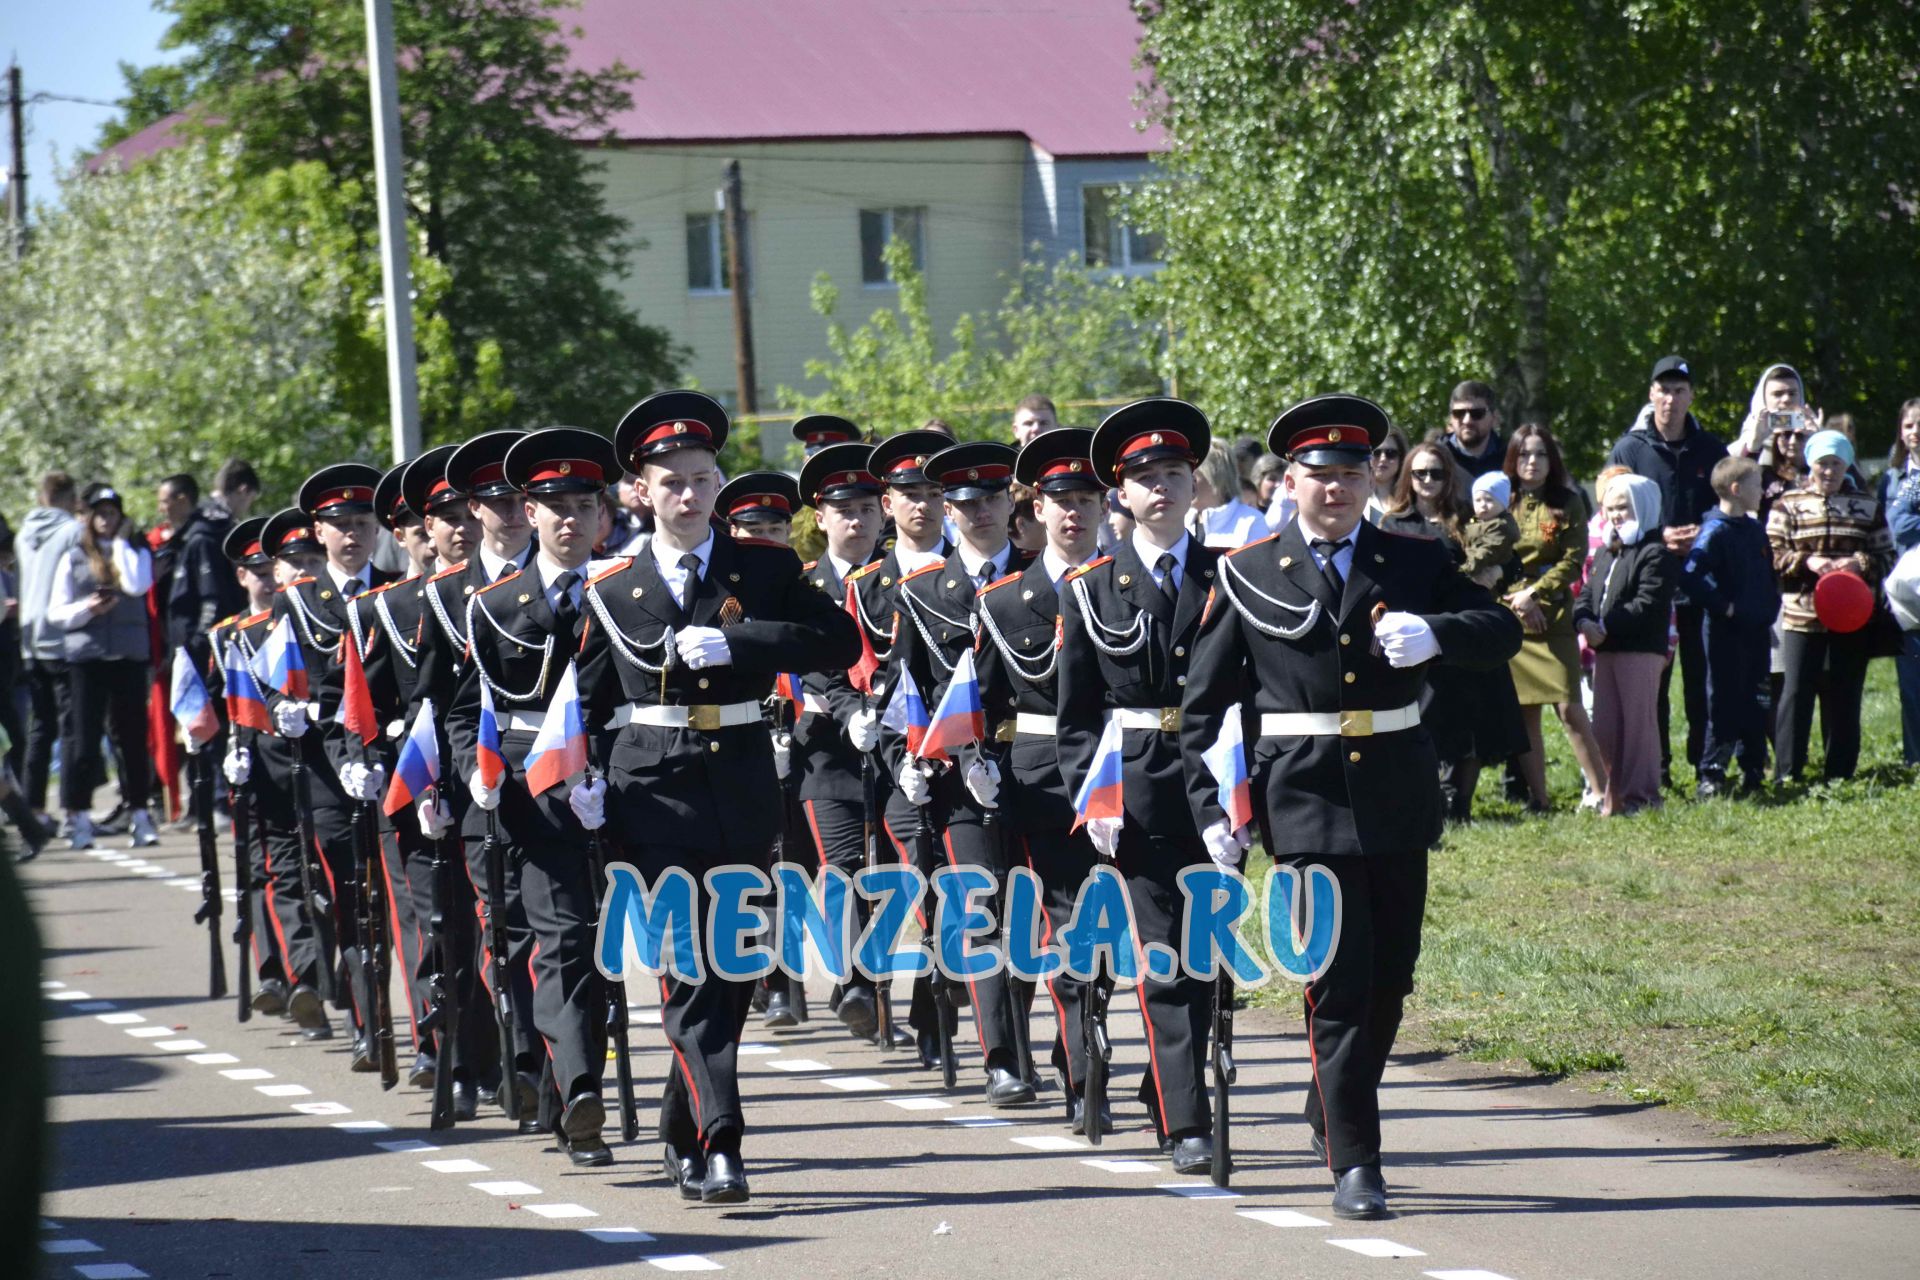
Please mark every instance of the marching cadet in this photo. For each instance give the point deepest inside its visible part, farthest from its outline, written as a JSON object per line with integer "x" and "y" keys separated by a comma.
{"x": 1127, "y": 628}
{"x": 479, "y": 521}
{"x": 837, "y": 780}
{"x": 1017, "y": 660}
{"x": 914, "y": 505}
{"x": 935, "y": 612}
{"x": 817, "y": 431}
{"x": 1330, "y": 624}
{"x": 759, "y": 504}
{"x": 522, "y": 632}
{"x": 253, "y": 569}
{"x": 684, "y": 643}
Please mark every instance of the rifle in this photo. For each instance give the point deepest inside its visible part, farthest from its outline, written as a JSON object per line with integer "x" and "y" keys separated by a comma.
{"x": 209, "y": 912}
{"x": 938, "y": 981}
{"x": 616, "y": 998}
{"x": 1097, "y": 1049}
{"x": 996, "y": 834}
{"x": 1224, "y": 1073}
{"x": 495, "y": 860}
{"x": 312, "y": 885}
{"x": 243, "y": 909}
{"x": 443, "y": 1015}
{"x": 372, "y": 943}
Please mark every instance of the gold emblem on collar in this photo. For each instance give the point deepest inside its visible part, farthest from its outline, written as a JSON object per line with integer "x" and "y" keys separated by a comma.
{"x": 326, "y": 595}
{"x": 1125, "y": 578}
{"x": 525, "y": 598}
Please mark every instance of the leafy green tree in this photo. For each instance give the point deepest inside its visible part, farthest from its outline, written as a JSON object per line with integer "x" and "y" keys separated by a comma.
{"x": 501, "y": 192}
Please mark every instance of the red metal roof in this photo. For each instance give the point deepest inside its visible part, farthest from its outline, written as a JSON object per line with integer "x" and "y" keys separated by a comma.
{"x": 1060, "y": 72}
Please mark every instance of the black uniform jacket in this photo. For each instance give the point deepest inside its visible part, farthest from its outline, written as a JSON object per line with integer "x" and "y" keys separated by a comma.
{"x": 319, "y": 617}
{"x": 1121, "y": 604}
{"x": 701, "y": 788}
{"x": 1327, "y": 793}
{"x": 1017, "y": 658}
{"x": 387, "y": 623}
{"x": 829, "y": 766}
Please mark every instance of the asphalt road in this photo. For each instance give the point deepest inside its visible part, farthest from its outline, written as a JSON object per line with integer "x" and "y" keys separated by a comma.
{"x": 190, "y": 1145}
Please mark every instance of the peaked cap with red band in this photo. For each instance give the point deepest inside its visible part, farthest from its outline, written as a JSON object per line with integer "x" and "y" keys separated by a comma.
{"x": 290, "y": 533}
{"x": 423, "y": 482}
{"x": 478, "y": 467}
{"x": 1148, "y": 431}
{"x": 667, "y": 421}
{"x": 758, "y": 495}
{"x": 839, "y": 471}
{"x": 975, "y": 469}
{"x": 389, "y": 502}
{"x": 1328, "y": 430}
{"x": 562, "y": 460}
{"x": 902, "y": 459}
{"x": 818, "y": 430}
{"x": 243, "y": 545}
{"x": 1057, "y": 461}
{"x": 343, "y": 489}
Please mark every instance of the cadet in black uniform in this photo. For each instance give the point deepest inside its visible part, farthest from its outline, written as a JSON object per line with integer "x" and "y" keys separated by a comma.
{"x": 817, "y": 431}
{"x": 684, "y": 643}
{"x": 1019, "y": 619}
{"x": 936, "y": 626}
{"x": 1127, "y": 629}
{"x": 1330, "y": 624}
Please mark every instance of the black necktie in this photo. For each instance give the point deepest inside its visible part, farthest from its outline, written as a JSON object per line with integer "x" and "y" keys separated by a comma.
{"x": 690, "y": 566}
{"x": 1168, "y": 587}
{"x": 1329, "y": 549}
{"x": 565, "y": 612}
{"x": 353, "y": 588}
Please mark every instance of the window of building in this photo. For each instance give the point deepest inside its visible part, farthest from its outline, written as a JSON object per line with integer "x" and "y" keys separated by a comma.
{"x": 707, "y": 262}
{"x": 878, "y": 227}
{"x": 1111, "y": 243}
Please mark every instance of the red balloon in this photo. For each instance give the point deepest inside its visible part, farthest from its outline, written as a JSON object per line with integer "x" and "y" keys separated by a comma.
{"x": 1842, "y": 601}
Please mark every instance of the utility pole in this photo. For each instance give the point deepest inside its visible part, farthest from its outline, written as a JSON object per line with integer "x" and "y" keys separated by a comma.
{"x": 403, "y": 389}
{"x": 736, "y": 231}
{"x": 16, "y": 166}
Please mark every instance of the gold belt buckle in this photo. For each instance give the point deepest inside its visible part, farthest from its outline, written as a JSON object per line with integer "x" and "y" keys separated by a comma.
{"x": 1169, "y": 719}
{"x": 704, "y": 716}
{"x": 1003, "y": 732}
{"x": 1357, "y": 723}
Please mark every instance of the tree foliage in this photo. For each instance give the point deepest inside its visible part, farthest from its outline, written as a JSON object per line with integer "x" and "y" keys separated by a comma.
{"x": 501, "y": 192}
{"x": 1388, "y": 198}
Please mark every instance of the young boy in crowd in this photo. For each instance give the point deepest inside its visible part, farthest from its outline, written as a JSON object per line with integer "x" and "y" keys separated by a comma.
{"x": 1488, "y": 538}
{"x": 1730, "y": 573}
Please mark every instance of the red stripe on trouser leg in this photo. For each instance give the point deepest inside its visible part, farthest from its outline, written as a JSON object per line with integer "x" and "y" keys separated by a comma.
{"x": 919, "y": 912}
{"x": 1153, "y": 1049}
{"x": 405, "y": 967}
{"x": 533, "y": 976}
{"x": 686, "y": 1072}
{"x": 1313, "y": 1056}
{"x": 979, "y": 1028}
{"x": 813, "y": 825}
{"x": 1059, "y": 1009}
{"x": 273, "y": 917}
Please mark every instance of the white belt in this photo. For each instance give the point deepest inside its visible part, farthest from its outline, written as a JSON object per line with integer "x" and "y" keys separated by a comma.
{"x": 524, "y": 721}
{"x": 1358, "y": 723}
{"x": 313, "y": 712}
{"x": 705, "y": 717}
{"x": 1165, "y": 719}
{"x": 1033, "y": 722}
{"x": 812, "y": 704}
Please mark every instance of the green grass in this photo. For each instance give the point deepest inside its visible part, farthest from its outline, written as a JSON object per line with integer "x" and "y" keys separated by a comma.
{"x": 1757, "y": 962}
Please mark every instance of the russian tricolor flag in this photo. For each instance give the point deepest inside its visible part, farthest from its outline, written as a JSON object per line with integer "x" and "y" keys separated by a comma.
{"x": 281, "y": 665}
{"x": 560, "y": 748}
{"x": 246, "y": 705}
{"x": 492, "y": 765}
{"x": 418, "y": 767}
{"x": 788, "y": 685}
{"x": 1100, "y": 795}
{"x": 958, "y": 721}
{"x": 906, "y": 712}
{"x": 1226, "y": 760}
{"x": 189, "y": 701}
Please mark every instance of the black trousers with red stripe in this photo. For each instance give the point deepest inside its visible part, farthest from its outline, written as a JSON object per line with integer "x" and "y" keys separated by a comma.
{"x": 1353, "y": 1009}
{"x": 968, "y": 841}
{"x": 838, "y": 831}
{"x": 1176, "y": 1010}
{"x": 269, "y": 963}
{"x": 305, "y": 940}
{"x": 529, "y": 1053}
{"x": 559, "y": 896}
{"x": 1062, "y": 860}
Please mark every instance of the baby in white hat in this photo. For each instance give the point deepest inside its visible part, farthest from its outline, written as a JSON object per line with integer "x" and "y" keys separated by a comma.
{"x": 1489, "y": 537}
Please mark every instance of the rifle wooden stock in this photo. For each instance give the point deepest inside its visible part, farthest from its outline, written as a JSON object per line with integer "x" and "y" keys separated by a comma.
{"x": 616, "y": 1002}
{"x": 237, "y": 801}
{"x": 1224, "y": 1073}
{"x": 494, "y": 860}
{"x": 209, "y": 911}
{"x": 1097, "y": 1050}
{"x": 443, "y": 1015}
{"x": 373, "y": 943}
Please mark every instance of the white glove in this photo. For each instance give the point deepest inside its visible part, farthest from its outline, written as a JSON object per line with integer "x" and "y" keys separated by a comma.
{"x": 588, "y": 800}
{"x": 362, "y": 782}
{"x": 435, "y": 817}
{"x": 193, "y": 745}
{"x": 983, "y": 782}
{"x": 1406, "y": 638}
{"x": 290, "y": 719}
{"x": 782, "y": 755}
{"x": 1226, "y": 846}
{"x": 863, "y": 731}
{"x": 1105, "y": 833}
{"x": 703, "y": 647}
{"x": 238, "y": 766}
{"x": 913, "y": 783}
{"x": 486, "y": 797}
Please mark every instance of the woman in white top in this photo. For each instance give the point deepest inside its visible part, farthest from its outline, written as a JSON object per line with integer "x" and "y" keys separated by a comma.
{"x": 98, "y": 598}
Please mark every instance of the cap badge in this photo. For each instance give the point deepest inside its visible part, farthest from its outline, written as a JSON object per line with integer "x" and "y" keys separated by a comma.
{"x": 1156, "y": 438}
{"x": 679, "y": 428}
{"x": 1333, "y": 435}
{"x": 566, "y": 468}
{"x": 973, "y": 473}
{"x": 1076, "y": 466}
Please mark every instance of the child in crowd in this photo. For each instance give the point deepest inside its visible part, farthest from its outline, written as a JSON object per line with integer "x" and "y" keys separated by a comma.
{"x": 1729, "y": 574}
{"x": 1488, "y": 538}
{"x": 1622, "y": 613}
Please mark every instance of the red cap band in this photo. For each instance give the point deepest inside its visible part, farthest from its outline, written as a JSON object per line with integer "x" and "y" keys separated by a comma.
{"x": 1328, "y": 433}
{"x": 491, "y": 473}
{"x": 440, "y": 486}
{"x": 1067, "y": 467}
{"x": 253, "y": 549}
{"x": 351, "y": 493}
{"x": 1153, "y": 440}
{"x": 961, "y": 475}
{"x": 910, "y": 463}
{"x": 302, "y": 534}
{"x": 757, "y": 501}
{"x": 567, "y": 469}
{"x": 676, "y": 431}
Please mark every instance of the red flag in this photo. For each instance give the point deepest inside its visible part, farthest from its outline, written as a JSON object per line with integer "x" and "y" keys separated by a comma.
{"x": 356, "y": 700}
{"x": 860, "y": 674}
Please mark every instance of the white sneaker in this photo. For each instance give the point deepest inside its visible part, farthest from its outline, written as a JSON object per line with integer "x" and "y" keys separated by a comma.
{"x": 1590, "y": 801}
{"x": 144, "y": 836}
{"x": 80, "y": 831}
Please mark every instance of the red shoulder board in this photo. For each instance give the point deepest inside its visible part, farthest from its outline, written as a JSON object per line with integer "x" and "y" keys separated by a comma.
{"x": 300, "y": 581}
{"x": 1088, "y": 567}
{"x": 500, "y": 582}
{"x": 1206, "y": 610}
{"x": 263, "y": 616}
{"x": 924, "y": 570}
{"x": 999, "y": 582}
{"x": 1258, "y": 542}
{"x": 809, "y": 566}
{"x": 609, "y": 571}
{"x": 449, "y": 572}
{"x": 864, "y": 570}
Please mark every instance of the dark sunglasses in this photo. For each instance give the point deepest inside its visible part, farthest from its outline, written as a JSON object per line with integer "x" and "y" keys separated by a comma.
{"x": 1381, "y": 454}
{"x": 1429, "y": 473}
{"x": 1475, "y": 414}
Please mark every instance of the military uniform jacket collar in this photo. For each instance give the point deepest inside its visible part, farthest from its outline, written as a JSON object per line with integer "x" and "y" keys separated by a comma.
{"x": 638, "y": 581}
{"x": 1135, "y": 583}
{"x": 1298, "y": 566}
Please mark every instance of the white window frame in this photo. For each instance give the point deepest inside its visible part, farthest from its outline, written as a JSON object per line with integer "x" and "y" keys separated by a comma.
{"x": 716, "y": 245}
{"x": 1116, "y": 195}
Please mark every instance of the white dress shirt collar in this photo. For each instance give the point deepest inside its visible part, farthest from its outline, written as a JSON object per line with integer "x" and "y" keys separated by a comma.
{"x": 1150, "y": 555}
{"x": 995, "y": 567}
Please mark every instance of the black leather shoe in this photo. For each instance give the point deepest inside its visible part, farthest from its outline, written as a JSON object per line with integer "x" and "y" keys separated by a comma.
{"x": 422, "y": 1075}
{"x": 1360, "y": 1192}
{"x": 898, "y": 1037}
{"x": 1077, "y": 1115}
{"x": 322, "y": 1032}
{"x": 271, "y": 998}
{"x": 362, "y": 1062}
{"x": 305, "y": 1008}
{"x": 726, "y": 1180}
{"x": 760, "y": 999}
{"x": 1193, "y": 1154}
{"x": 489, "y": 1095}
{"x": 466, "y": 1101}
{"x": 779, "y": 1012}
{"x": 580, "y": 1126}
{"x": 587, "y": 1153}
{"x": 858, "y": 1012}
{"x": 928, "y": 1046}
{"x": 687, "y": 1171}
{"x": 1005, "y": 1089}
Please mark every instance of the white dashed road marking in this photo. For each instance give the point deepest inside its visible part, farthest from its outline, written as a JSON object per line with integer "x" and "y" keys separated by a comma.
{"x": 507, "y": 1188}
{"x": 1374, "y": 1247}
{"x": 566, "y": 1211}
{"x": 456, "y": 1166}
{"x": 1281, "y": 1217}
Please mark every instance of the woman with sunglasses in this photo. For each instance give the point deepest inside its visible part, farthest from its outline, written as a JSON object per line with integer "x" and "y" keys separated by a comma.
{"x": 1384, "y": 467}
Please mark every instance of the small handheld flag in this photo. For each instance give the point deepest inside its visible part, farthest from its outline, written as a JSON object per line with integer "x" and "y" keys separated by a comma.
{"x": 788, "y": 685}
{"x": 418, "y": 767}
{"x": 246, "y": 705}
{"x": 355, "y": 712}
{"x": 560, "y": 748}
{"x": 281, "y": 665}
{"x": 860, "y": 674}
{"x": 906, "y": 712}
{"x": 189, "y": 701}
{"x": 493, "y": 765}
{"x": 958, "y": 721}
{"x": 1226, "y": 760}
{"x": 1100, "y": 795}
